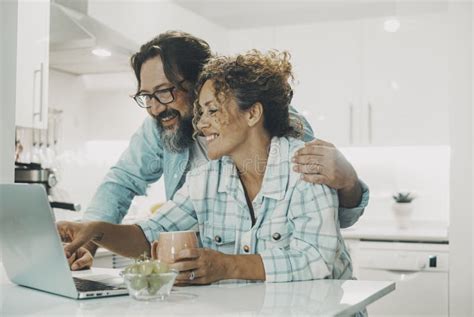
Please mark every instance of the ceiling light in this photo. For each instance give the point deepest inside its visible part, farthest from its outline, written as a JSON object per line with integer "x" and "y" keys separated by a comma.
{"x": 391, "y": 25}
{"x": 101, "y": 52}
{"x": 394, "y": 85}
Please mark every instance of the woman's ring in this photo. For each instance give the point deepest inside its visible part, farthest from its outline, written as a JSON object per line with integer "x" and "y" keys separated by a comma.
{"x": 192, "y": 276}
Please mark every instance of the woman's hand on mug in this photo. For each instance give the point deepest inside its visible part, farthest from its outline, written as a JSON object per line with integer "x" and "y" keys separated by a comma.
{"x": 200, "y": 266}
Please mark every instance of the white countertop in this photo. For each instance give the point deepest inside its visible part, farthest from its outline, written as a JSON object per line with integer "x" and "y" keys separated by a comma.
{"x": 422, "y": 232}
{"x": 319, "y": 297}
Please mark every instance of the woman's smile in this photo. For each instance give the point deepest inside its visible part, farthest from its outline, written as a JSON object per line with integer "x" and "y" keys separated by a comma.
{"x": 211, "y": 137}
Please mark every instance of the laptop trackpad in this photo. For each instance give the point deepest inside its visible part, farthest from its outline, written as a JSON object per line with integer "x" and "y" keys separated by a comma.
{"x": 106, "y": 276}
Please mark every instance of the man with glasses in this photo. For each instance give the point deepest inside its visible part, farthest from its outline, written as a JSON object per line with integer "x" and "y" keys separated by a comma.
{"x": 166, "y": 69}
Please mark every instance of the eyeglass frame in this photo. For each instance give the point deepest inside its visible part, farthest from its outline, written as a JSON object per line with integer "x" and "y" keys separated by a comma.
{"x": 153, "y": 95}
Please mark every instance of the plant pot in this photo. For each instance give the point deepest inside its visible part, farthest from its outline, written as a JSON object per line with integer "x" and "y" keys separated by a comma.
{"x": 402, "y": 212}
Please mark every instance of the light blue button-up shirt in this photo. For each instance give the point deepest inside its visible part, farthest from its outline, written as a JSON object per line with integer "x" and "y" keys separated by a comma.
{"x": 145, "y": 161}
{"x": 297, "y": 226}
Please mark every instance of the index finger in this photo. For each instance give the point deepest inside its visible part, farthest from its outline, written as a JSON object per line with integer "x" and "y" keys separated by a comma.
{"x": 71, "y": 259}
{"x": 75, "y": 244}
{"x": 319, "y": 142}
{"x": 309, "y": 150}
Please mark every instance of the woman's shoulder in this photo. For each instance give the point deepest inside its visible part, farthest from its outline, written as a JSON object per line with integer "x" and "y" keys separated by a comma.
{"x": 281, "y": 160}
{"x": 287, "y": 146}
{"x": 294, "y": 145}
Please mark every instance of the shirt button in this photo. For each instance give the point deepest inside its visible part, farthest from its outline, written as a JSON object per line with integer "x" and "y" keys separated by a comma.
{"x": 175, "y": 176}
{"x": 276, "y": 236}
{"x": 246, "y": 248}
{"x": 218, "y": 239}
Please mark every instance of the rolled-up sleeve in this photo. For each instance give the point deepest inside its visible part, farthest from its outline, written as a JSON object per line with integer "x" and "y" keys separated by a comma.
{"x": 175, "y": 215}
{"x": 349, "y": 216}
{"x": 313, "y": 247}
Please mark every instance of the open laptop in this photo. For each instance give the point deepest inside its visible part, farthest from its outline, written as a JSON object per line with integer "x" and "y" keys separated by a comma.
{"x": 32, "y": 252}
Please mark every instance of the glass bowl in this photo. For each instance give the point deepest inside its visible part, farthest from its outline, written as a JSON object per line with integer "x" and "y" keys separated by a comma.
{"x": 151, "y": 286}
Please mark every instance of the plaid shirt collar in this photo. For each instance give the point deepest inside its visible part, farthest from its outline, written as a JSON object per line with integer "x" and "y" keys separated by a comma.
{"x": 275, "y": 180}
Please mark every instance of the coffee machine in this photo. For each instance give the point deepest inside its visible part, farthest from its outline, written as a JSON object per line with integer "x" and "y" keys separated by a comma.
{"x": 28, "y": 168}
{"x": 34, "y": 173}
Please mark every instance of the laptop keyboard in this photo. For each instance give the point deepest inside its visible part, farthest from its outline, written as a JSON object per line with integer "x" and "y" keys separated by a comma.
{"x": 88, "y": 285}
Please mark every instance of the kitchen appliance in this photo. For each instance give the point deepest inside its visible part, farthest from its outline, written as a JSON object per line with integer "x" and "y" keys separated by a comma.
{"x": 420, "y": 271}
{"x": 34, "y": 173}
{"x": 74, "y": 35}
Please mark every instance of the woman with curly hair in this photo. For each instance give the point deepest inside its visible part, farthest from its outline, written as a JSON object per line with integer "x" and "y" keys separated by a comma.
{"x": 257, "y": 219}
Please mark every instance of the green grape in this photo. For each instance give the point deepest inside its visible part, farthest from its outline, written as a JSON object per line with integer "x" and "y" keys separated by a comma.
{"x": 146, "y": 268}
{"x": 135, "y": 269}
{"x": 132, "y": 269}
{"x": 154, "y": 284}
{"x": 149, "y": 274}
{"x": 138, "y": 282}
{"x": 161, "y": 267}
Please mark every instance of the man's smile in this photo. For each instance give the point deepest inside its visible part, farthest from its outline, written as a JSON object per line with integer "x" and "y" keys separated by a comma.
{"x": 168, "y": 118}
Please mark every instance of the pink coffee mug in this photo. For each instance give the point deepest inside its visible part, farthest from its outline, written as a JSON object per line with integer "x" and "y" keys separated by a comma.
{"x": 167, "y": 247}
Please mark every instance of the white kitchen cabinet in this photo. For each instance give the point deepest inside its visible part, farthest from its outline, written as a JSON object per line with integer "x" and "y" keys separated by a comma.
{"x": 327, "y": 59}
{"x": 361, "y": 85}
{"x": 32, "y": 63}
{"x": 405, "y": 82}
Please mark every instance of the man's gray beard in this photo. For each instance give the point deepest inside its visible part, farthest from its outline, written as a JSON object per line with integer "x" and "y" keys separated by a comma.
{"x": 178, "y": 140}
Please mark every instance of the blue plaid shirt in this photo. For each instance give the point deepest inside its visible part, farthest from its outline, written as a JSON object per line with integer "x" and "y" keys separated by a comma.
{"x": 297, "y": 228}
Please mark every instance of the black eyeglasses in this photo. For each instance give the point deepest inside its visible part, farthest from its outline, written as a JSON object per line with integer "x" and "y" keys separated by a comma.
{"x": 163, "y": 96}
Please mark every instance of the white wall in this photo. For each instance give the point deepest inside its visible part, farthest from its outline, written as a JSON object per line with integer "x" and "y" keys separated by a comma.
{"x": 8, "y": 24}
{"x": 460, "y": 271}
{"x": 96, "y": 124}
{"x": 472, "y": 153}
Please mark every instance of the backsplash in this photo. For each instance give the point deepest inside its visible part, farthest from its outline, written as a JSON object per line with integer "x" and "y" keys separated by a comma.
{"x": 422, "y": 170}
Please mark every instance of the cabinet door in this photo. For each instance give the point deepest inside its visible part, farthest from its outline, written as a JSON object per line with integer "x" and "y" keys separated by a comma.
{"x": 326, "y": 58}
{"x": 32, "y": 64}
{"x": 405, "y": 80}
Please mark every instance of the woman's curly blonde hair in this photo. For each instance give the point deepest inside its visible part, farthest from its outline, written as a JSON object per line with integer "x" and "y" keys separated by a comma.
{"x": 254, "y": 77}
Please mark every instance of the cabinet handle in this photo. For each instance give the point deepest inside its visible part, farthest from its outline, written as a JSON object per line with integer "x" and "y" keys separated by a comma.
{"x": 41, "y": 90}
{"x": 40, "y": 112}
{"x": 351, "y": 123}
{"x": 369, "y": 123}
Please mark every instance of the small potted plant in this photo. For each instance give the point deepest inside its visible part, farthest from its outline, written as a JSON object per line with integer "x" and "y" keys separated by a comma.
{"x": 403, "y": 208}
